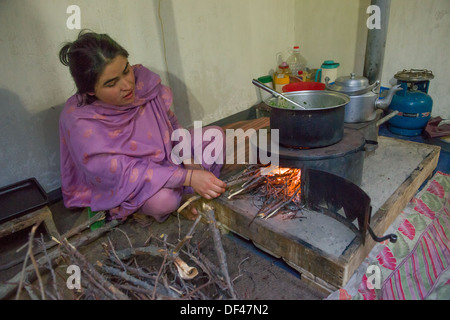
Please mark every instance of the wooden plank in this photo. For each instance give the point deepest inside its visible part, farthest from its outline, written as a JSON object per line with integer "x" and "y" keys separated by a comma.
{"x": 43, "y": 214}
{"x": 265, "y": 234}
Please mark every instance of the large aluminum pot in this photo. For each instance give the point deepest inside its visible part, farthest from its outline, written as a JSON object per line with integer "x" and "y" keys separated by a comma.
{"x": 321, "y": 124}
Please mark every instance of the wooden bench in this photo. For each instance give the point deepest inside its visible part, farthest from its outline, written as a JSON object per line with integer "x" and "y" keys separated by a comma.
{"x": 43, "y": 214}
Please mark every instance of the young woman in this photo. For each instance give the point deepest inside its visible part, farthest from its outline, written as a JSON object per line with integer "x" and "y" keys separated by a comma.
{"x": 116, "y": 134}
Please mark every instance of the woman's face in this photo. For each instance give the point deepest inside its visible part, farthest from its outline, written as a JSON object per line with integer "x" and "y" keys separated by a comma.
{"x": 116, "y": 83}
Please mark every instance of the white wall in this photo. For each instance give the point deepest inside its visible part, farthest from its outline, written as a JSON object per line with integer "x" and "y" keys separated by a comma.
{"x": 333, "y": 30}
{"x": 206, "y": 50}
{"x": 214, "y": 48}
{"x": 32, "y": 31}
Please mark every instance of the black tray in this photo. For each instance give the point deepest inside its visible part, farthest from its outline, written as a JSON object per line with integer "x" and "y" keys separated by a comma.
{"x": 20, "y": 198}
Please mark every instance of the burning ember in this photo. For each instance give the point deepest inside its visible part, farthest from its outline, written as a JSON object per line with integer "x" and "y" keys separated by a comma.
{"x": 278, "y": 189}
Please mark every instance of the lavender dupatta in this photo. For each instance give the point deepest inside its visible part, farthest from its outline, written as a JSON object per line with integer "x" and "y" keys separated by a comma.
{"x": 118, "y": 156}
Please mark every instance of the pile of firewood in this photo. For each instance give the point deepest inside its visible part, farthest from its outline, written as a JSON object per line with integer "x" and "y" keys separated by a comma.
{"x": 180, "y": 271}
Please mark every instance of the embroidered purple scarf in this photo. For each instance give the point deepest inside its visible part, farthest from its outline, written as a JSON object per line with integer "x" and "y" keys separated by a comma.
{"x": 109, "y": 154}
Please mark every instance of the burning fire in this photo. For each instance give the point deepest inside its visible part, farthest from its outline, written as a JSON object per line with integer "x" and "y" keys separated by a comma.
{"x": 286, "y": 181}
{"x": 279, "y": 188}
{"x": 274, "y": 170}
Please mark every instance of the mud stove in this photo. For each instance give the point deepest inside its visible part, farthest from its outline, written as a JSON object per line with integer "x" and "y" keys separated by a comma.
{"x": 349, "y": 200}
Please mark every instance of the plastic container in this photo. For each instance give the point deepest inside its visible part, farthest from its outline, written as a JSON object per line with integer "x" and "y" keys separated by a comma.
{"x": 281, "y": 77}
{"x": 296, "y": 62}
{"x": 268, "y": 81}
{"x": 20, "y": 198}
{"x": 302, "y": 86}
{"x": 328, "y": 69}
{"x": 280, "y": 80}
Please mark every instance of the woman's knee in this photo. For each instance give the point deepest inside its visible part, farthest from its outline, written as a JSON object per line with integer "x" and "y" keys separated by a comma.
{"x": 162, "y": 204}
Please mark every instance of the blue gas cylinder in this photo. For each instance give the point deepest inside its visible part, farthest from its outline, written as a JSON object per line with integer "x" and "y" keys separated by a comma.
{"x": 412, "y": 102}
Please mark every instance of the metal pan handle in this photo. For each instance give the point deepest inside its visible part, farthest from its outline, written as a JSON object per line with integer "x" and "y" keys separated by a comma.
{"x": 276, "y": 94}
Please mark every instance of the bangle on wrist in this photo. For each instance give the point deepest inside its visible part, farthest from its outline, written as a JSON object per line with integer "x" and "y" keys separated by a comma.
{"x": 190, "y": 178}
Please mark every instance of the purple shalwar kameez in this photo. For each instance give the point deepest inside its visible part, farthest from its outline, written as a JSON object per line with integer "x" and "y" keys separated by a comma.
{"x": 118, "y": 158}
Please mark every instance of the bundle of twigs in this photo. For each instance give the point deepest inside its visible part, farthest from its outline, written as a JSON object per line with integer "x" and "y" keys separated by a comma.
{"x": 177, "y": 271}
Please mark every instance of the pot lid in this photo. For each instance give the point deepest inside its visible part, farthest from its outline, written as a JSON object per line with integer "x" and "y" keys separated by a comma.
{"x": 414, "y": 75}
{"x": 351, "y": 83}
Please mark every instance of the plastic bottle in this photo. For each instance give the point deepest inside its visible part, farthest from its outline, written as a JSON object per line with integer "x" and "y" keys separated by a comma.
{"x": 296, "y": 62}
{"x": 281, "y": 77}
{"x": 284, "y": 68}
{"x": 280, "y": 80}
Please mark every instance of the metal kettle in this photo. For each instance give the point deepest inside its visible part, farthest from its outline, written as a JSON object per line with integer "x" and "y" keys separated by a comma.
{"x": 364, "y": 97}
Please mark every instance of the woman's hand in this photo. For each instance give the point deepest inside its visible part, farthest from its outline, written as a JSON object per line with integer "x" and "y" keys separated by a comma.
{"x": 205, "y": 183}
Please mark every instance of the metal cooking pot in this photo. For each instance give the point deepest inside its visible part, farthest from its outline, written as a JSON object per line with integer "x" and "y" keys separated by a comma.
{"x": 319, "y": 125}
{"x": 364, "y": 98}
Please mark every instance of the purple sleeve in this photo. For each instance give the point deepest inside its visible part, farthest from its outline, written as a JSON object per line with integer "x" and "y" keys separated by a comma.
{"x": 176, "y": 180}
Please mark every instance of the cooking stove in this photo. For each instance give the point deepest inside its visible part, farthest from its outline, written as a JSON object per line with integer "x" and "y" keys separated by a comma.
{"x": 327, "y": 243}
{"x": 331, "y": 177}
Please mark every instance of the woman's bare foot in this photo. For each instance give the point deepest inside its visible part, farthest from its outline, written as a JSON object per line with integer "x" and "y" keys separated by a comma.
{"x": 190, "y": 212}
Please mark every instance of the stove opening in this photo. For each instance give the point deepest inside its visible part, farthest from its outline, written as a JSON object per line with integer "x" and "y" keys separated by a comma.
{"x": 287, "y": 191}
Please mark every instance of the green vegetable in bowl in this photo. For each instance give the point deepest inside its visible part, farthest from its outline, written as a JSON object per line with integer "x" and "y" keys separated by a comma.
{"x": 282, "y": 103}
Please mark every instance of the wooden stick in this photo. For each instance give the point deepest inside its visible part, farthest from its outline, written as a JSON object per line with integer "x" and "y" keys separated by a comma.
{"x": 124, "y": 275}
{"x": 33, "y": 260}
{"x": 30, "y": 255}
{"x": 209, "y": 213}
{"x": 55, "y": 286}
{"x": 282, "y": 204}
{"x": 189, "y": 201}
{"x": 88, "y": 269}
{"x": 196, "y": 197}
{"x": 187, "y": 237}
{"x": 249, "y": 186}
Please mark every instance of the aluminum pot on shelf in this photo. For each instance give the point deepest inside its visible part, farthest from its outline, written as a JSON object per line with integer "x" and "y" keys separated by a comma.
{"x": 364, "y": 97}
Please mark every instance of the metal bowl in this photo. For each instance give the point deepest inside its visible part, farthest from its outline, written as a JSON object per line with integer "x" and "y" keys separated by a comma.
{"x": 311, "y": 99}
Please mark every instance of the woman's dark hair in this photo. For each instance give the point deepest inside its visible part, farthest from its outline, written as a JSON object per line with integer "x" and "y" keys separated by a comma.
{"x": 87, "y": 57}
